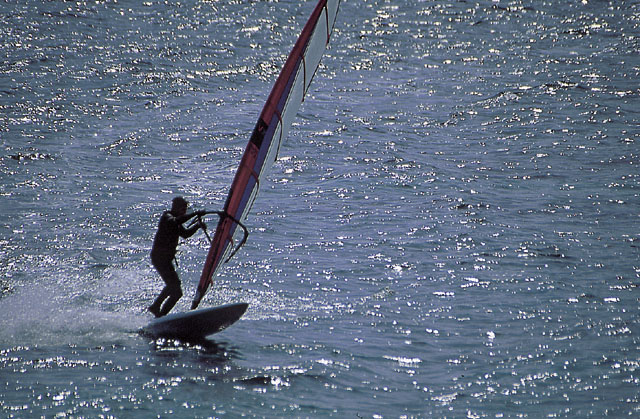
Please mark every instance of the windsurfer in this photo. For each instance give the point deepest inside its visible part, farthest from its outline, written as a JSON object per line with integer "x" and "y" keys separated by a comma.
{"x": 163, "y": 252}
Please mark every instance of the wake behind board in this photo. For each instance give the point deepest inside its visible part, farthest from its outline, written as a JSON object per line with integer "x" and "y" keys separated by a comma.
{"x": 196, "y": 324}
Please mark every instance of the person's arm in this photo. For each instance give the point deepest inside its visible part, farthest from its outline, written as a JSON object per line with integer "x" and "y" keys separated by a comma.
{"x": 184, "y": 218}
{"x": 185, "y": 233}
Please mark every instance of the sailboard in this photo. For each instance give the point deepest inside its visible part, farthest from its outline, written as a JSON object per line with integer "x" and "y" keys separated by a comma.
{"x": 263, "y": 147}
{"x": 196, "y": 324}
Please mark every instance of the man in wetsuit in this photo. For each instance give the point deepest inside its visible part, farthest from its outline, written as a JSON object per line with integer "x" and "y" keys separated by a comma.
{"x": 163, "y": 253}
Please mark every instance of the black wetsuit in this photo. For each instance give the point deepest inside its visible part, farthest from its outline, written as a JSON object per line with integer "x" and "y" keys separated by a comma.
{"x": 163, "y": 253}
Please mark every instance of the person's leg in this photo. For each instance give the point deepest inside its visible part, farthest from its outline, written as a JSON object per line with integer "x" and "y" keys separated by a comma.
{"x": 175, "y": 293}
{"x": 171, "y": 290}
{"x": 155, "y": 307}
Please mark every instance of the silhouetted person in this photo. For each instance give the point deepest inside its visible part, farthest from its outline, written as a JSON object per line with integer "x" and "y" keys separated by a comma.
{"x": 170, "y": 229}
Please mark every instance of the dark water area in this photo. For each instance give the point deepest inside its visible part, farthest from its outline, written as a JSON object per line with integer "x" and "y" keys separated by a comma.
{"x": 451, "y": 229}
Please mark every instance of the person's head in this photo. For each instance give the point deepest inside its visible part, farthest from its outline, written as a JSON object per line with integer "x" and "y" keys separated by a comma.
{"x": 179, "y": 206}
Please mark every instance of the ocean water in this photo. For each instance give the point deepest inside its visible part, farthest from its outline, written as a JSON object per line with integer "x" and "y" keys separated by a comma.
{"x": 452, "y": 228}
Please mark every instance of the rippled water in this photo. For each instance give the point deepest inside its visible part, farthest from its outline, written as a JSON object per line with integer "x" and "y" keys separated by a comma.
{"x": 451, "y": 230}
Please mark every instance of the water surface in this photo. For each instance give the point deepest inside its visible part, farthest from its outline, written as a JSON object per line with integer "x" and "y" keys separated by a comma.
{"x": 450, "y": 230}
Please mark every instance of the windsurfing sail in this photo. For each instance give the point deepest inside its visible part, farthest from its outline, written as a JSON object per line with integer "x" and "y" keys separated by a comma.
{"x": 262, "y": 150}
